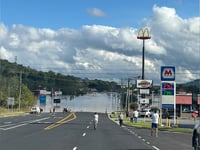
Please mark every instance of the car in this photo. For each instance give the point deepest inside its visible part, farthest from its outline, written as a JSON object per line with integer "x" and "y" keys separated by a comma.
{"x": 196, "y": 137}
{"x": 146, "y": 112}
{"x": 35, "y": 110}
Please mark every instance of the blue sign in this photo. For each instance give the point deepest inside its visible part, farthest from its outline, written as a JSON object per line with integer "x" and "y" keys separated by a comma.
{"x": 42, "y": 99}
{"x": 167, "y": 73}
{"x": 167, "y": 105}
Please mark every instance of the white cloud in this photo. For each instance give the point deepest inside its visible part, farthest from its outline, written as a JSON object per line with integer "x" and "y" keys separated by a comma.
{"x": 96, "y": 12}
{"x": 106, "y": 52}
{"x": 5, "y": 54}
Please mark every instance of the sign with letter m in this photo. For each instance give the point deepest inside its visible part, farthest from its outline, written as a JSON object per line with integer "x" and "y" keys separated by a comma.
{"x": 167, "y": 73}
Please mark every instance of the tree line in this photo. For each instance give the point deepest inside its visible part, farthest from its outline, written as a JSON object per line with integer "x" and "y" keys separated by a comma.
{"x": 19, "y": 81}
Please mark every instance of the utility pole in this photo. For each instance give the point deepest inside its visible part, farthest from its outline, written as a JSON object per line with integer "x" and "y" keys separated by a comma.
{"x": 128, "y": 96}
{"x": 20, "y": 89}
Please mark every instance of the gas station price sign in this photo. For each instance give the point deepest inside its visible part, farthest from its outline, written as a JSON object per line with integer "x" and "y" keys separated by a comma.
{"x": 167, "y": 89}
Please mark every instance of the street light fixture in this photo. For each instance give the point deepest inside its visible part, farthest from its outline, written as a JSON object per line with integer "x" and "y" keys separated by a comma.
{"x": 143, "y": 34}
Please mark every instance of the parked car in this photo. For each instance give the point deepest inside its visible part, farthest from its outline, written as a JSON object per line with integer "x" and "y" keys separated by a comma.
{"x": 146, "y": 112}
{"x": 196, "y": 137}
{"x": 35, "y": 110}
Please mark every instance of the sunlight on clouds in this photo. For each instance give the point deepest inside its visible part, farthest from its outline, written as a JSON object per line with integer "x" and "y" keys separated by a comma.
{"x": 98, "y": 29}
{"x": 3, "y": 32}
{"x": 61, "y": 64}
{"x": 185, "y": 74}
{"x": 5, "y": 54}
{"x": 47, "y": 33}
{"x": 167, "y": 18}
{"x": 152, "y": 47}
{"x": 14, "y": 40}
{"x": 44, "y": 46}
{"x": 194, "y": 25}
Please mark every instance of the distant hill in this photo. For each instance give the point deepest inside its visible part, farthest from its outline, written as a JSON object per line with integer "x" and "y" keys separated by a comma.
{"x": 34, "y": 79}
{"x": 193, "y": 83}
{"x": 190, "y": 87}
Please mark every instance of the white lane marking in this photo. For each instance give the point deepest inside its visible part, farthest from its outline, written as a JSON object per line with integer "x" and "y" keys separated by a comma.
{"x": 140, "y": 137}
{"x": 75, "y": 148}
{"x": 7, "y": 125}
{"x": 7, "y": 122}
{"x": 88, "y": 127}
{"x": 148, "y": 143}
{"x": 155, "y": 148}
{"x": 15, "y": 126}
{"x": 23, "y": 124}
{"x": 84, "y": 134}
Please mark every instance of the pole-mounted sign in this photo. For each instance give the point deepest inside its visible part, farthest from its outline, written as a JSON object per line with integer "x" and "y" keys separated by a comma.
{"x": 144, "y": 34}
{"x": 167, "y": 73}
{"x": 168, "y": 88}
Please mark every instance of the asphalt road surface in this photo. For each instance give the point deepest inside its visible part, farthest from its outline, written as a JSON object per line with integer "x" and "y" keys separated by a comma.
{"x": 74, "y": 131}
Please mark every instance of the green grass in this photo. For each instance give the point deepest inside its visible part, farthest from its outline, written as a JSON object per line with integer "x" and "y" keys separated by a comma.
{"x": 182, "y": 130}
{"x": 147, "y": 124}
{"x": 10, "y": 112}
{"x": 139, "y": 124}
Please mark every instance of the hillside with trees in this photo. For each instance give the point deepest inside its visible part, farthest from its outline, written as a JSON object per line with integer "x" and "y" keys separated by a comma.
{"x": 19, "y": 81}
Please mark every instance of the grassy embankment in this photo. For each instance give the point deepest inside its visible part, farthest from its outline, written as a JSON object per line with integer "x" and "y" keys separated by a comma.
{"x": 11, "y": 112}
{"x": 147, "y": 124}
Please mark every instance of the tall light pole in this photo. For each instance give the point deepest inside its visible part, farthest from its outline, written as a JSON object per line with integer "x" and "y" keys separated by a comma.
{"x": 143, "y": 34}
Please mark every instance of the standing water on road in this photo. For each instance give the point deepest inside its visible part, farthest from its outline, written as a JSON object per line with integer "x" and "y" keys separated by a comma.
{"x": 94, "y": 102}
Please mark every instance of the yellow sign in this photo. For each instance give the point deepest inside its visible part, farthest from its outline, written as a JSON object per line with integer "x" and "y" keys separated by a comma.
{"x": 144, "y": 34}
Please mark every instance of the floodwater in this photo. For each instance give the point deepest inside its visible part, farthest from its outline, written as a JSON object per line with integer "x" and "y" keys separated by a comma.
{"x": 94, "y": 102}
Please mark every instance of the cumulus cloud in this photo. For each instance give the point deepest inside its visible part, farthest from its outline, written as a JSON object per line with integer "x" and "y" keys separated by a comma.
{"x": 106, "y": 52}
{"x": 96, "y": 12}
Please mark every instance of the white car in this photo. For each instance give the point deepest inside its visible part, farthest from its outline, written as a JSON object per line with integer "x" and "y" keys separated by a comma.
{"x": 35, "y": 110}
{"x": 146, "y": 112}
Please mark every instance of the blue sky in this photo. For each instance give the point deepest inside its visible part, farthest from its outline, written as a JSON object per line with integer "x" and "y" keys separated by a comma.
{"x": 57, "y": 14}
{"x": 97, "y": 39}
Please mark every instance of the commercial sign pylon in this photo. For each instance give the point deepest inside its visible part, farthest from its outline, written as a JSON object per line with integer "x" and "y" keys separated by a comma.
{"x": 168, "y": 89}
{"x": 143, "y": 34}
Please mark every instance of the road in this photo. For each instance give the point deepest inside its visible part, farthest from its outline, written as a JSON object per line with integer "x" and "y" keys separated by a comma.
{"x": 74, "y": 131}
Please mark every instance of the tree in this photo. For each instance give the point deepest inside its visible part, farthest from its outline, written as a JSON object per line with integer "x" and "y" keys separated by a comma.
{"x": 134, "y": 106}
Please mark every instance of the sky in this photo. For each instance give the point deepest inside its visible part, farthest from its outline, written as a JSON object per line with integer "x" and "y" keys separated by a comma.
{"x": 97, "y": 39}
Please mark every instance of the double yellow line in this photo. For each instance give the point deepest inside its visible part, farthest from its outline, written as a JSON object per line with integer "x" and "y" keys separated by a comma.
{"x": 70, "y": 117}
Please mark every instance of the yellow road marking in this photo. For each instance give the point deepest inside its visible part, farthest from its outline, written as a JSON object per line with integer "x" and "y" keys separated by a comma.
{"x": 62, "y": 121}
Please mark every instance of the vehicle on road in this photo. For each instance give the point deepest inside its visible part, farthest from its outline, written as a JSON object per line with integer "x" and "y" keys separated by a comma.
{"x": 35, "y": 110}
{"x": 146, "y": 112}
{"x": 196, "y": 137}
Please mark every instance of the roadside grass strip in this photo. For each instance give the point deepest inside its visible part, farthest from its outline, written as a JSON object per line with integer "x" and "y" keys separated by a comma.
{"x": 147, "y": 124}
{"x": 70, "y": 117}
